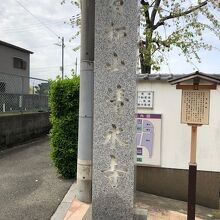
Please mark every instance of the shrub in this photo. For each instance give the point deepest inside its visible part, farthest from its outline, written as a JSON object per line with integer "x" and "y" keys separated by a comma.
{"x": 64, "y": 107}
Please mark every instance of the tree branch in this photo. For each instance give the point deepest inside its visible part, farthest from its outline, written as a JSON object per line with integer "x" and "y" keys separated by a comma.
{"x": 154, "y": 11}
{"x": 152, "y": 3}
{"x": 144, "y": 3}
{"x": 171, "y": 16}
{"x": 161, "y": 42}
{"x": 147, "y": 16}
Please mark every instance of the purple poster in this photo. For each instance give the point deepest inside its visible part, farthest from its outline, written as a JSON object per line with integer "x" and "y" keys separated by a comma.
{"x": 148, "y": 138}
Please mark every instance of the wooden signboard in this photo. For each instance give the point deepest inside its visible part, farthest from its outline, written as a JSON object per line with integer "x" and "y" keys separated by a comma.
{"x": 195, "y": 107}
{"x": 194, "y": 112}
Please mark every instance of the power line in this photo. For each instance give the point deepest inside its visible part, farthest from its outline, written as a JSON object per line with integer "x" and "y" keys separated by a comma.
{"x": 48, "y": 28}
{"x": 50, "y": 67}
{"x": 51, "y": 45}
{"x": 28, "y": 28}
{"x": 31, "y": 26}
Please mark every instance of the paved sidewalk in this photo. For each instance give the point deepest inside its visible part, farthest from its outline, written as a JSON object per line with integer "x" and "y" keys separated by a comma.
{"x": 65, "y": 205}
{"x": 30, "y": 188}
{"x": 160, "y": 208}
{"x": 156, "y": 207}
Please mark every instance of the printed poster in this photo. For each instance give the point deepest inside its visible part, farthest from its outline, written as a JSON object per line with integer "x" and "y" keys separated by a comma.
{"x": 148, "y": 139}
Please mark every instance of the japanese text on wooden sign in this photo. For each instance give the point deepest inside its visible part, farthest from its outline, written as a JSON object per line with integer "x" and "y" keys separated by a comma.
{"x": 195, "y": 107}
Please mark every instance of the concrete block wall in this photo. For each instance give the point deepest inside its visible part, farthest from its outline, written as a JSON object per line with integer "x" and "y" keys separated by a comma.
{"x": 18, "y": 128}
{"x": 173, "y": 183}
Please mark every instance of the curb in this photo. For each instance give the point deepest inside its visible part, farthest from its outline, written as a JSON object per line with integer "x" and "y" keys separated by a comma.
{"x": 64, "y": 206}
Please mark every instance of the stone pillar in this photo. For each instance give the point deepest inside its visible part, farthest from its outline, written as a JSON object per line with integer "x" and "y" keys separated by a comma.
{"x": 116, "y": 40}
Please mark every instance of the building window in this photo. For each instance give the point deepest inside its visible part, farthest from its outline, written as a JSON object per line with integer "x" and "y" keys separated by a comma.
{"x": 19, "y": 63}
{"x": 2, "y": 87}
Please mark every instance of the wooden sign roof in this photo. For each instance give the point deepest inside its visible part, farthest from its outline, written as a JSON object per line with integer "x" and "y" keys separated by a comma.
{"x": 195, "y": 77}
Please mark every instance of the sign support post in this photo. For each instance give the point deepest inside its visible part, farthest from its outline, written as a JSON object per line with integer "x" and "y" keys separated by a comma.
{"x": 192, "y": 176}
{"x": 193, "y": 144}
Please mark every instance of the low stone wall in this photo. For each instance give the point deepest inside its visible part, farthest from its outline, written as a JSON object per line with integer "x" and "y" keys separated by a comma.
{"x": 173, "y": 183}
{"x": 18, "y": 128}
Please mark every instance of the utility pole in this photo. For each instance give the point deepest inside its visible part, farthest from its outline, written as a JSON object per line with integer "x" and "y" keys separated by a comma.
{"x": 76, "y": 64}
{"x": 62, "y": 45}
{"x": 63, "y": 57}
{"x": 85, "y": 135}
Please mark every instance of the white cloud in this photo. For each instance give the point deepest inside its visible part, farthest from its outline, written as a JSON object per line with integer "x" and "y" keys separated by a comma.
{"x": 20, "y": 28}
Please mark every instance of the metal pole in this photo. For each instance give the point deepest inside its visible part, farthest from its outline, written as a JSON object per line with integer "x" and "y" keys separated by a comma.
{"x": 22, "y": 95}
{"x": 85, "y": 137}
{"x": 76, "y": 66}
{"x": 192, "y": 176}
{"x": 63, "y": 57}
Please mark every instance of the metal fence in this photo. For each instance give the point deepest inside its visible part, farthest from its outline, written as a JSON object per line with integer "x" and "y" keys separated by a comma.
{"x": 22, "y": 93}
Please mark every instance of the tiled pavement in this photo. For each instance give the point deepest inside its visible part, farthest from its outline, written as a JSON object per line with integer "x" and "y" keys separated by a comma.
{"x": 158, "y": 208}
{"x": 77, "y": 210}
{"x": 171, "y": 215}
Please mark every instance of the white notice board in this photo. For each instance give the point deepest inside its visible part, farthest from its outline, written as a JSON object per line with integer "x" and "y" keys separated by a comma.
{"x": 145, "y": 99}
{"x": 148, "y": 139}
{"x": 195, "y": 107}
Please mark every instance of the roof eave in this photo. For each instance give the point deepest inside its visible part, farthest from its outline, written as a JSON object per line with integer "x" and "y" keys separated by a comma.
{"x": 197, "y": 74}
{"x": 15, "y": 47}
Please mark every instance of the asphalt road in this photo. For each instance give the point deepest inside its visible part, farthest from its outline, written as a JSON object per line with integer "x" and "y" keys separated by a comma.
{"x": 30, "y": 188}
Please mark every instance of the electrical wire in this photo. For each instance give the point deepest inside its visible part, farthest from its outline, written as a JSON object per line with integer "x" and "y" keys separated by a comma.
{"x": 31, "y": 26}
{"x": 25, "y": 29}
{"x": 48, "y": 28}
{"x": 48, "y": 67}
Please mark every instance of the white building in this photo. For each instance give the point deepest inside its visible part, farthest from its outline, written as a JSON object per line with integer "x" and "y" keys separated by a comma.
{"x": 167, "y": 174}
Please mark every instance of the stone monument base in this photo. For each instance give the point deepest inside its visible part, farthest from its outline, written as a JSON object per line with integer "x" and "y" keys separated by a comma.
{"x": 139, "y": 214}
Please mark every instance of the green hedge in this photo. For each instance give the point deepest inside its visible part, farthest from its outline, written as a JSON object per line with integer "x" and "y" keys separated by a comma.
{"x": 64, "y": 107}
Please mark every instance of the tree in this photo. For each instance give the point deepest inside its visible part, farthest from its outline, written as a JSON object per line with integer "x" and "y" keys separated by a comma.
{"x": 41, "y": 89}
{"x": 74, "y": 21}
{"x": 167, "y": 24}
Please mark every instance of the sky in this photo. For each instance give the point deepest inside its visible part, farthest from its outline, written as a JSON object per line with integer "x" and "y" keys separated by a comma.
{"x": 20, "y": 28}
